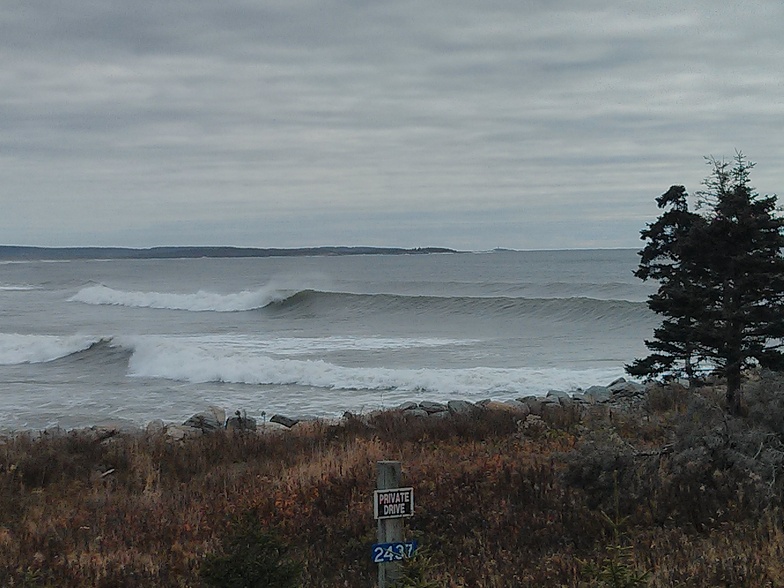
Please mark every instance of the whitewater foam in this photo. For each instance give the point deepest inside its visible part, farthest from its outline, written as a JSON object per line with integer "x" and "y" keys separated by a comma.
{"x": 18, "y": 288}
{"x": 16, "y": 348}
{"x": 200, "y": 301}
{"x": 200, "y": 362}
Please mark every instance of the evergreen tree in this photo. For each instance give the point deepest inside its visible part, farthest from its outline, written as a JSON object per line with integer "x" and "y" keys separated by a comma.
{"x": 721, "y": 280}
{"x": 670, "y": 258}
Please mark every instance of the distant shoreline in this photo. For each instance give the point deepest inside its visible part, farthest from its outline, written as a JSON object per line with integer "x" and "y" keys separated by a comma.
{"x": 24, "y": 253}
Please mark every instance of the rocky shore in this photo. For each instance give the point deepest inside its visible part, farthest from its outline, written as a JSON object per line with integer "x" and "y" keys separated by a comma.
{"x": 617, "y": 395}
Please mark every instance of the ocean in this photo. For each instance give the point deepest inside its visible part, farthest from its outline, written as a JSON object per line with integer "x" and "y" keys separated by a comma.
{"x": 89, "y": 342}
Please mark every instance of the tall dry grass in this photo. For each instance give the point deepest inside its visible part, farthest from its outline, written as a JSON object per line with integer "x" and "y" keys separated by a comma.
{"x": 499, "y": 502}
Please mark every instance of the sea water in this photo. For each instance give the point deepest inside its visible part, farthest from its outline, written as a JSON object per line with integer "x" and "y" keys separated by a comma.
{"x": 85, "y": 342}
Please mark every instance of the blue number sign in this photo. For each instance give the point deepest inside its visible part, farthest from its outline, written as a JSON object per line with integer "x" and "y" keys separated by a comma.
{"x": 387, "y": 552}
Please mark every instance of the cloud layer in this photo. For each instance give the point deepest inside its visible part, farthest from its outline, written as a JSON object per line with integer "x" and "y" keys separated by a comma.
{"x": 464, "y": 124}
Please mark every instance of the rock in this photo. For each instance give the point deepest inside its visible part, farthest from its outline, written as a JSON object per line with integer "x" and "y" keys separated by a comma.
{"x": 518, "y": 406}
{"x": 287, "y": 422}
{"x": 626, "y": 389}
{"x": 617, "y": 381}
{"x": 270, "y": 427}
{"x": 241, "y": 423}
{"x": 204, "y": 421}
{"x": 433, "y": 407}
{"x": 510, "y": 406}
{"x": 208, "y": 421}
{"x": 407, "y": 406}
{"x": 182, "y": 432}
{"x": 461, "y": 407}
{"x": 155, "y": 428}
{"x": 598, "y": 394}
{"x": 54, "y": 432}
{"x": 557, "y": 394}
{"x": 563, "y": 398}
{"x": 416, "y": 413}
{"x": 534, "y": 404}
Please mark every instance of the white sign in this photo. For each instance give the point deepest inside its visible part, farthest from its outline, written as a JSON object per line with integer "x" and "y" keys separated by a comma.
{"x": 394, "y": 503}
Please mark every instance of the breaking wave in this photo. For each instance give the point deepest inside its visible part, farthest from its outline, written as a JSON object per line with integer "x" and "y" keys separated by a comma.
{"x": 200, "y": 301}
{"x": 192, "y": 362}
{"x": 17, "y": 349}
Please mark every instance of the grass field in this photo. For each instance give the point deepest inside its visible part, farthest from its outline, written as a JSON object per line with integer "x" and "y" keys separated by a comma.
{"x": 672, "y": 492}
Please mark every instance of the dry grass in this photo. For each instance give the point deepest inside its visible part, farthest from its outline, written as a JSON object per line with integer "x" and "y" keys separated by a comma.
{"x": 499, "y": 503}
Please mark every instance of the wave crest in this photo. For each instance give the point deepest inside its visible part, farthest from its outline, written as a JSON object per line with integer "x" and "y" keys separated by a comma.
{"x": 198, "y": 362}
{"x": 17, "y": 349}
{"x": 200, "y": 301}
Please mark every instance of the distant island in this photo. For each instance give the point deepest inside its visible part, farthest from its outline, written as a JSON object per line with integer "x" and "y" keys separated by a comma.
{"x": 22, "y": 253}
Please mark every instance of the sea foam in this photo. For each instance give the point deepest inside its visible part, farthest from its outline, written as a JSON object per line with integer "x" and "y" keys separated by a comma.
{"x": 16, "y": 348}
{"x": 200, "y": 362}
{"x": 200, "y": 301}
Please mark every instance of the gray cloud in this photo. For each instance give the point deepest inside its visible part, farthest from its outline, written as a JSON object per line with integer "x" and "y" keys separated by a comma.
{"x": 305, "y": 123}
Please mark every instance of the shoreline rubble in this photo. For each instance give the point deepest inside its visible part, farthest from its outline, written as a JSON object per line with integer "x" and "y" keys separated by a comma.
{"x": 619, "y": 394}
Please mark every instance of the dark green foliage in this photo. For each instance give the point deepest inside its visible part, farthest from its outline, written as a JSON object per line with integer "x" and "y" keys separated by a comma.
{"x": 618, "y": 569}
{"x": 670, "y": 257}
{"x": 417, "y": 572}
{"x": 251, "y": 557}
{"x": 721, "y": 281}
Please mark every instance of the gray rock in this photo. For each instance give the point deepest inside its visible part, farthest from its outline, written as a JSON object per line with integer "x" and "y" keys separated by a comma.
{"x": 417, "y": 413}
{"x": 564, "y": 398}
{"x": 626, "y": 389}
{"x": 518, "y": 406}
{"x": 511, "y": 406}
{"x": 206, "y": 421}
{"x": 182, "y": 432}
{"x": 432, "y": 407}
{"x": 284, "y": 420}
{"x": 54, "y": 432}
{"x": 550, "y": 409}
{"x": 407, "y": 406}
{"x": 558, "y": 395}
{"x": 598, "y": 394}
{"x": 461, "y": 407}
{"x": 620, "y": 380}
{"x": 270, "y": 427}
{"x": 534, "y": 404}
{"x": 155, "y": 428}
{"x": 241, "y": 423}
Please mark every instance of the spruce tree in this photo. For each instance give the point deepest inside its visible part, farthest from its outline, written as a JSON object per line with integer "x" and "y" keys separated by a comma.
{"x": 721, "y": 280}
{"x": 670, "y": 257}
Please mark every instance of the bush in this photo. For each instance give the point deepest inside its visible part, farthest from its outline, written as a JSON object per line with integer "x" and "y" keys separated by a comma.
{"x": 251, "y": 557}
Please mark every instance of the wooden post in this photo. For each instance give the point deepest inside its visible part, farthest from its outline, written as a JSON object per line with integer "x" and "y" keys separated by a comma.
{"x": 389, "y": 530}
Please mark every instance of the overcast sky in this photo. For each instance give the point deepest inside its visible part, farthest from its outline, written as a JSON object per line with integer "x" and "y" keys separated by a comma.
{"x": 280, "y": 123}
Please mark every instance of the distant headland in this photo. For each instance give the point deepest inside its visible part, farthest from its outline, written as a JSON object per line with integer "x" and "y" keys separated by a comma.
{"x": 23, "y": 253}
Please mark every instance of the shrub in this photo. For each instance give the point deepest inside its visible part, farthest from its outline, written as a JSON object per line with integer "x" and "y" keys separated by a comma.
{"x": 251, "y": 557}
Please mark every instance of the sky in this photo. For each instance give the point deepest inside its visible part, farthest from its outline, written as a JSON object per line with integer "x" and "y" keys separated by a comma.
{"x": 291, "y": 123}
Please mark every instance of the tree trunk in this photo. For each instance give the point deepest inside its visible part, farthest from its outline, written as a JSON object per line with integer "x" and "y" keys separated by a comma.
{"x": 734, "y": 392}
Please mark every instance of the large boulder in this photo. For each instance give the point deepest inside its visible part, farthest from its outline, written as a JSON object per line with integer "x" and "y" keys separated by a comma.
{"x": 207, "y": 421}
{"x": 625, "y": 389}
{"x": 598, "y": 394}
{"x": 182, "y": 432}
{"x": 462, "y": 407}
{"x": 433, "y": 407}
{"x": 241, "y": 423}
{"x": 563, "y": 398}
{"x": 534, "y": 404}
{"x": 407, "y": 405}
